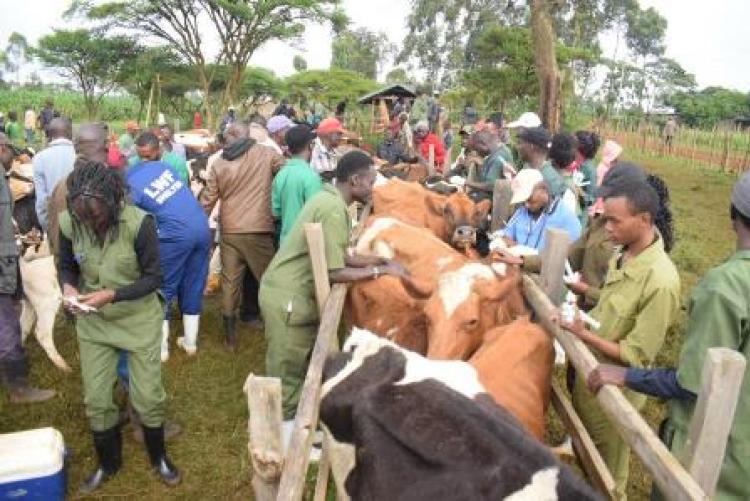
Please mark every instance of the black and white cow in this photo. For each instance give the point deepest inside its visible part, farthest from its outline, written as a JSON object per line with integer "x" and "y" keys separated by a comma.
{"x": 427, "y": 430}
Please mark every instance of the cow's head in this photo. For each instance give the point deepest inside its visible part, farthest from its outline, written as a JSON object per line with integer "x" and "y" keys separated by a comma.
{"x": 468, "y": 302}
{"x": 461, "y": 215}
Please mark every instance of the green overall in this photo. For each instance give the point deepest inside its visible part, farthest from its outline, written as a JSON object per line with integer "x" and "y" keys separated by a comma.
{"x": 719, "y": 316}
{"x": 133, "y": 326}
{"x": 639, "y": 303}
{"x": 287, "y": 293}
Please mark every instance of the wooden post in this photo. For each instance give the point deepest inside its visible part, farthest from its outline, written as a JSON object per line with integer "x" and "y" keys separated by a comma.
{"x": 586, "y": 451}
{"x": 264, "y": 430}
{"x": 295, "y": 466}
{"x": 554, "y": 255}
{"x": 431, "y": 160}
{"x": 673, "y": 480}
{"x": 148, "y": 106}
{"x": 721, "y": 381}
{"x": 501, "y": 208}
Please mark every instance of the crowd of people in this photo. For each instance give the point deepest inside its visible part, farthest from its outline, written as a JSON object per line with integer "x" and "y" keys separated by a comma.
{"x": 131, "y": 239}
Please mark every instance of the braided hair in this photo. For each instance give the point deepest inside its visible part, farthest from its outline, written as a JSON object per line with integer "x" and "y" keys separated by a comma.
{"x": 93, "y": 182}
{"x": 663, "y": 220}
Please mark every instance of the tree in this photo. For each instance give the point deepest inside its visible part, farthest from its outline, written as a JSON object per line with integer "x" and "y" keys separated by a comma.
{"x": 707, "y": 107}
{"x": 544, "y": 42}
{"x": 328, "y": 86}
{"x": 441, "y": 34}
{"x": 258, "y": 85}
{"x": 645, "y": 38}
{"x": 362, "y": 51}
{"x": 504, "y": 67}
{"x": 666, "y": 77}
{"x": 241, "y": 26}
{"x": 16, "y": 54}
{"x": 93, "y": 60}
{"x": 398, "y": 76}
{"x": 299, "y": 63}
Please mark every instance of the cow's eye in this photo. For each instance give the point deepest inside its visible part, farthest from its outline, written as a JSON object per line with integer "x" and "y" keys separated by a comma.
{"x": 472, "y": 323}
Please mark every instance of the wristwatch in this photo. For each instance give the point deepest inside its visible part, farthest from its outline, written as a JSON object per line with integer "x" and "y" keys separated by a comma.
{"x": 375, "y": 272}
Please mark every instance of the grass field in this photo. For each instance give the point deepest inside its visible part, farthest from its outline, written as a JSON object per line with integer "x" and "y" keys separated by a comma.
{"x": 205, "y": 393}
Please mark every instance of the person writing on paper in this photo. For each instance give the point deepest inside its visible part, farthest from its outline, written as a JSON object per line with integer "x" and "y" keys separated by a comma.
{"x": 638, "y": 304}
{"x": 109, "y": 269}
{"x": 538, "y": 212}
{"x": 718, "y": 316}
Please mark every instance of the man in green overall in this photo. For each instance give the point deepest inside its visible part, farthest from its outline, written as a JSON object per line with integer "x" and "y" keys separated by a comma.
{"x": 719, "y": 316}
{"x": 638, "y": 304}
{"x": 287, "y": 290}
{"x": 108, "y": 264}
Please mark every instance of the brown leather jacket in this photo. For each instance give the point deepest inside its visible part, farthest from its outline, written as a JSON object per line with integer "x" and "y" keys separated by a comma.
{"x": 244, "y": 187}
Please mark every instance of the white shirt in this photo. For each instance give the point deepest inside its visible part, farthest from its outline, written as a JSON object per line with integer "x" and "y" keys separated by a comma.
{"x": 323, "y": 159}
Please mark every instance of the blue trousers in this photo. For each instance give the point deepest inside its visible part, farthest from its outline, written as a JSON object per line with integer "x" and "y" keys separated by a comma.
{"x": 184, "y": 266}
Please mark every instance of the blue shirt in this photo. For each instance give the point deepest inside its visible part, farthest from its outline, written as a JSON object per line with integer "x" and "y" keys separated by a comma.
{"x": 51, "y": 165}
{"x": 156, "y": 188}
{"x": 524, "y": 229}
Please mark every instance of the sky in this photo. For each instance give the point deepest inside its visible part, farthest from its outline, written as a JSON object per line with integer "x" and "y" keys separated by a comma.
{"x": 709, "y": 39}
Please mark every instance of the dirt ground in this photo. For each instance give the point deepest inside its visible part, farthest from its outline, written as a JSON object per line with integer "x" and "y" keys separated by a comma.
{"x": 205, "y": 392}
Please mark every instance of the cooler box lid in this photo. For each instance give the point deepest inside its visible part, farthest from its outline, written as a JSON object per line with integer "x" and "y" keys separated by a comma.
{"x": 30, "y": 454}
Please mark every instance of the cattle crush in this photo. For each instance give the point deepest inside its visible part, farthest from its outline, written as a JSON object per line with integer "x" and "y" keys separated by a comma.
{"x": 694, "y": 476}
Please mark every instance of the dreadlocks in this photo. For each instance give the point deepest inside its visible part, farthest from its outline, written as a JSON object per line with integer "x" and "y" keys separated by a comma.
{"x": 663, "y": 220}
{"x": 92, "y": 182}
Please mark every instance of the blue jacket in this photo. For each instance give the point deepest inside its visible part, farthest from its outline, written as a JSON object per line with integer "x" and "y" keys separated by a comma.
{"x": 156, "y": 188}
{"x": 525, "y": 230}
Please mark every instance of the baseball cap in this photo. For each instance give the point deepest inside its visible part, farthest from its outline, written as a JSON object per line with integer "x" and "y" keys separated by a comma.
{"x": 741, "y": 195}
{"x": 277, "y": 123}
{"x": 538, "y": 136}
{"x": 329, "y": 125}
{"x": 528, "y": 120}
{"x": 298, "y": 136}
{"x": 523, "y": 184}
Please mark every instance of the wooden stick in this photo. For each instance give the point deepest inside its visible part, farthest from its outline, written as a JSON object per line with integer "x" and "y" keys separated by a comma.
{"x": 554, "y": 255}
{"x": 721, "y": 380}
{"x": 586, "y": 451}
{"x": 264, "y": 431}
{"x": 668, "y": 473}
{"x": 431, "y": 160}
{"x": 501, "y": 208}
{"x": 295, "y": 467}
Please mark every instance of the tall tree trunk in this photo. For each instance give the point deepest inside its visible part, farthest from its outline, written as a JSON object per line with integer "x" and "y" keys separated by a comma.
{"x": 543, "y": 35}
{"x": 233, "y": 85}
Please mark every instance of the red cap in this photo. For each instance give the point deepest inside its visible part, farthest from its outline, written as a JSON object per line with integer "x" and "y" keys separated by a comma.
{"x": 329, "y": 125}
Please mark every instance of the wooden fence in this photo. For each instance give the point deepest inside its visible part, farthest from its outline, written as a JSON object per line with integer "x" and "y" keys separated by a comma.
{"x": 694, "y": 476}
{"x": 724, "y": 148}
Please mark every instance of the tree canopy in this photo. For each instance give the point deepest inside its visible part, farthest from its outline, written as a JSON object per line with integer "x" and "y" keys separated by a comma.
{"x": 91, "y": 59}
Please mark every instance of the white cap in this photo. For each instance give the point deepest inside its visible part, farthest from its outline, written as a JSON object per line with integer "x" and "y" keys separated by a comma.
{"x": 528, "y": 120}
{"x": 524, "y": 183}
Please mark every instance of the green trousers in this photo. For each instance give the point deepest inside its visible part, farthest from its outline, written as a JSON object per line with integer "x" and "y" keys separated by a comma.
{"x": 99, "y": 372}
{"x": 291, "y": 327}
{"x": 611, "y": 446}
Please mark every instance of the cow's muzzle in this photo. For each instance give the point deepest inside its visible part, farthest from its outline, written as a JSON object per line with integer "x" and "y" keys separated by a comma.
{"x": 465, "y": 236}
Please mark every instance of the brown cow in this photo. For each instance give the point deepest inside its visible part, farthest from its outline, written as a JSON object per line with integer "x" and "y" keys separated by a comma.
{"x": 514, "y": 364}
{"x": 453, "y": 218}
{"x": 452, "y": 302}
{"x": 414, "y": 172}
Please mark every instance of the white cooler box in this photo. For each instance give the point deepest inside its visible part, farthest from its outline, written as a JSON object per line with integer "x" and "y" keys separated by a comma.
{"x": 32, "y": 465}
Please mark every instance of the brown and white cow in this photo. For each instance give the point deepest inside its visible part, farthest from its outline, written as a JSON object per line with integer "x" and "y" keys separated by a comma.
{"x": 453, "y": 218}
{"x": 409, "y": 428}
{"x": 451, "y": 302}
